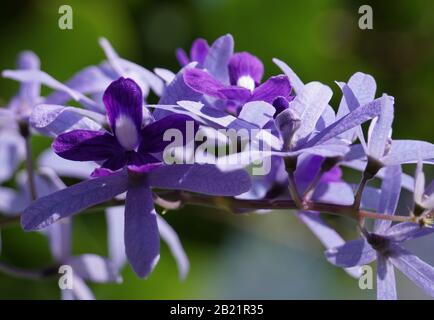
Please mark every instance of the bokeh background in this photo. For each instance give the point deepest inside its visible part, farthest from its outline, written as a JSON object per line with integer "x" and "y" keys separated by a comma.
{"x": 267, "y": 256}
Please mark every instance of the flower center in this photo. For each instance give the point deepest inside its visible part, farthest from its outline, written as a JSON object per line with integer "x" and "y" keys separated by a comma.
{"x": 126, "y": 133}
{"x": 246, "y": 82}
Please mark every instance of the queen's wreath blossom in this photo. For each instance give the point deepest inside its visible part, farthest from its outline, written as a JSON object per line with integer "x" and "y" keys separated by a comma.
{"x": 117, "y": 141}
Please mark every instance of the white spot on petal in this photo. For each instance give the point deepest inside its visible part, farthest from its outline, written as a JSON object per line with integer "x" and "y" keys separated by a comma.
{"x": 126, "y": 133}
{"x": 246, "y": 82}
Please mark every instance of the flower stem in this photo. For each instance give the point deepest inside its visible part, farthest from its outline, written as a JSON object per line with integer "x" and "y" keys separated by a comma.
{"x": 28, "y": 274}
{"x": 25, "y": 132}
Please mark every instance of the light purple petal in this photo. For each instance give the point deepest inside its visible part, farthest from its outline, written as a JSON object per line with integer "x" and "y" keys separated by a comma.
{"x": 30, "y": 91}
{"x": 218, "y": 57}
{"x": 325, "y": 234}
{"x": 205, "y": 179}
{"x": 142, "y": 240}
{"x": 59, "y": 236}
{"x": 309, "y": 104}
{"x": 362, "y": 87}
{"x": 52, "y": 120}
{"x": 408, "y": 151}
{"x": 116, "y": 245}
{"x": 370, "y": 198}
{"x": 271, "y": 89}
{"x": 335, "y": 193}
{"x": 66, "y": 168}
{"x": 354, "y": 118}
{"x": 46, "y": 210}
{"x": 245, "y": 64}
{"x": 44, "y": 78}
{"x": 418, "y": 271}
{"x": 405, "y": 231}
{"x": 353, "y": 253}
{"x": 350, "y": 103}
{"x": 386, "y": 283}
{"x": 90, "y": 80}
{"x": 81, "y": 290}
{"x": 11, "y": 153}
{"x": 11, "y": 201}
{"x": 165, "y": 74}
{"x": 390, "y": 191}
{"x": 377, "y": 143}
{"x": 257, "y": 112}
{"x": 144, "y": 77}
{"x": 169, "y": 235}
{"x": 92, "y": 267}
{"x": 295, "y": 81}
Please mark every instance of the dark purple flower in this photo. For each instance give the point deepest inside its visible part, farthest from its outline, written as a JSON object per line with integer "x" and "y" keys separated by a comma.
{"x": 245, "y": 74}
{"x": 129, "y": 143}
{"x": 128, "y": 165}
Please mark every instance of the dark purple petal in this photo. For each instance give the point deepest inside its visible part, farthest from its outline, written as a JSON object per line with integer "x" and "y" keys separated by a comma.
{"x": 235, "y": 93}
{"x": 142, "y": 240}
{"x": 280, "y": 104}
{"x": 352, "y": 253}
{"x": 182, "y": 57}
{"x": 244, "y": 64}
{"x": 202, "y": 178}
{"x": 386, "y": 283}
{"x": 86, "y": 145}
{"x": 333, "y": 175}
{"x": 123, "y": 99}
{"x": 64, "y": 203}
{"x": 389, "y": 197}
{"x": 152, "y": 134}
{"x": 199, "y": 50}
{"x": 418, "y": 271}
{"x": 271, "y": 89}
{"x": 201, "y": 81}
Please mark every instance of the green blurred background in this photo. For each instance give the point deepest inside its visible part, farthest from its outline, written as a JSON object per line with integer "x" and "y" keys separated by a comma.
{"x": 267, "y": 256}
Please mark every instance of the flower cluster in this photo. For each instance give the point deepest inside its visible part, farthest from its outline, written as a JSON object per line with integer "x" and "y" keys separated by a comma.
{"x": 118, "y": 144}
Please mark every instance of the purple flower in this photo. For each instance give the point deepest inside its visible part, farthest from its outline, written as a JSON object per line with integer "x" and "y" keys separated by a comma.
{"x": 127, "y": 165}
{"x": 198, "y": 53}
{"x": 380, "y": 149}
{"x": 384, "y": 245}
{"x": 245, "y": 74}
{"x": 129, "y": 143}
